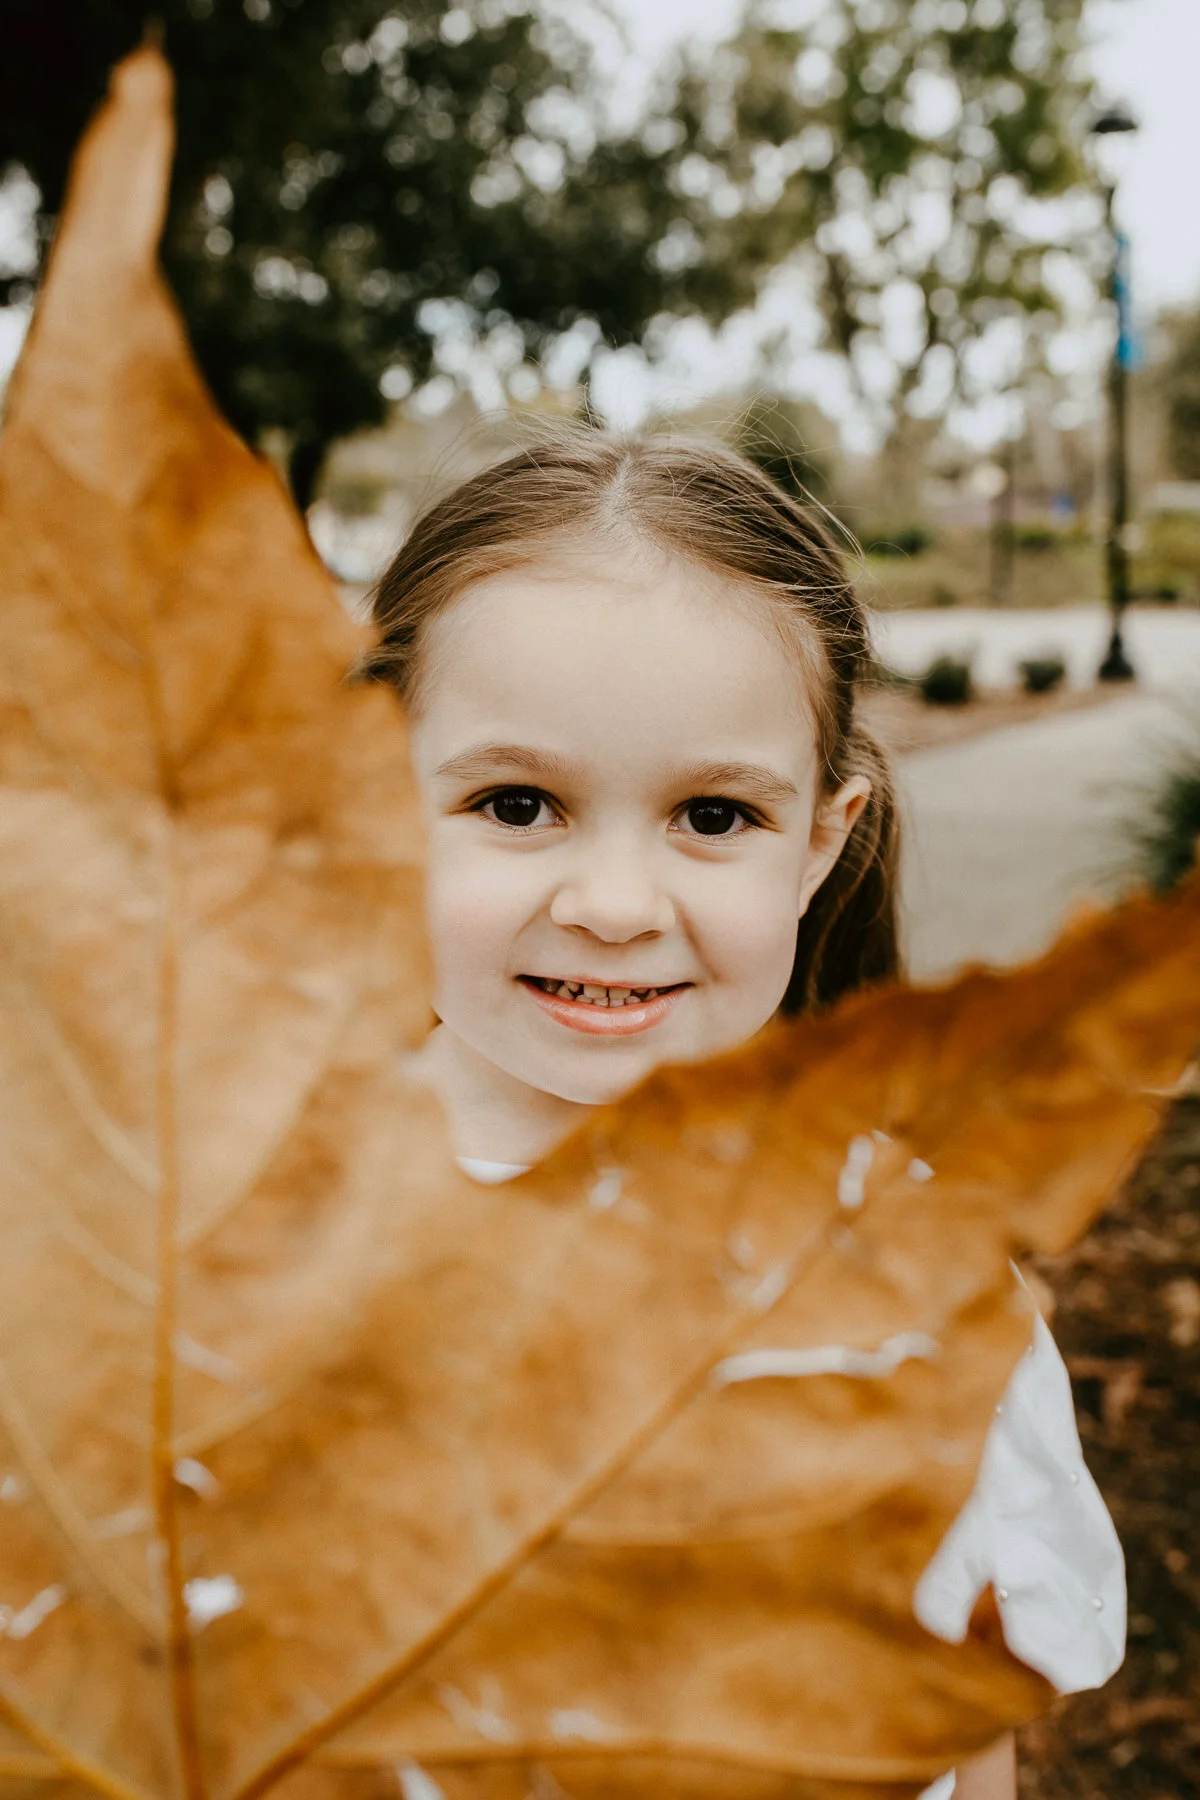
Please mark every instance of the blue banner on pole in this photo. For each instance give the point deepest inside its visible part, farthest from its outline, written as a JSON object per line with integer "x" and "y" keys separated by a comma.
{"x": 1129, "y": 348}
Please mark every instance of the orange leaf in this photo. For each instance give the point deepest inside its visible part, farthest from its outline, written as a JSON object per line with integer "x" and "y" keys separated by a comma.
{"x": 318, "y": 1461}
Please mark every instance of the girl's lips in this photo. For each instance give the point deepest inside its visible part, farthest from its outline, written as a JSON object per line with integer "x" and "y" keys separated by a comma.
{"x": 605, "y": 1021}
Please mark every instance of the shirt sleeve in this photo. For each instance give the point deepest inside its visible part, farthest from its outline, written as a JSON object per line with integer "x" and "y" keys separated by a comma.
{"x": 1036, "y": 1529}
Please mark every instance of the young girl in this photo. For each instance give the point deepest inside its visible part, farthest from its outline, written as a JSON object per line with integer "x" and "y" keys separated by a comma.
{"x": 655, "y": 820}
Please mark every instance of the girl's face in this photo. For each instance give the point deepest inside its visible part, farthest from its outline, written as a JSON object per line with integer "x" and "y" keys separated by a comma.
{"x": 621, "y": 782}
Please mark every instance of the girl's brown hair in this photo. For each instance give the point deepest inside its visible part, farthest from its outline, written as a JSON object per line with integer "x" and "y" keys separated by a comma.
{"x": 702, "y": 502}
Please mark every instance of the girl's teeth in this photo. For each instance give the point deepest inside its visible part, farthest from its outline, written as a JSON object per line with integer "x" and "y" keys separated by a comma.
{"x": 599, "y": 996}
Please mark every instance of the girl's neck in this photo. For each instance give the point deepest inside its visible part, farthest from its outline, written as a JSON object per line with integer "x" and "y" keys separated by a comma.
{"x": 493, "y": 1116}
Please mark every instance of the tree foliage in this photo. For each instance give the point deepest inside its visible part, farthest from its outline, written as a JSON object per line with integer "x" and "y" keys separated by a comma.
{"x": 899, "y": 155}
{"x": 341, "y": 164}
{"x": 359, "y": 179}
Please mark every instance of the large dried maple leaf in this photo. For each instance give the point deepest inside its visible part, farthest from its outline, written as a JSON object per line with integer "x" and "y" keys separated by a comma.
{"x": 318, "y": 1462}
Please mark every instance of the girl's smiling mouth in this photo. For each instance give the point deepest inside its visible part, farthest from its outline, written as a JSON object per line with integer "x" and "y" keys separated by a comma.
{"x": 605, "y": 1009}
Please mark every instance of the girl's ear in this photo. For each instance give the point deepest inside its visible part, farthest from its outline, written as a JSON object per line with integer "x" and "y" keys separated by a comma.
{"x": 834, "y": 820}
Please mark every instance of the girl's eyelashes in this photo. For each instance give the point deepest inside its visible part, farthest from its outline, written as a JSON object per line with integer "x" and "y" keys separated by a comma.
{"x": 710, "y": 816}
{"x": 518, "y": 809}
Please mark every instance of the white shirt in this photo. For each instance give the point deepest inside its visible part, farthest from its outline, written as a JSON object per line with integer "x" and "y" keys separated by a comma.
{"x": 1034, "y": 1528}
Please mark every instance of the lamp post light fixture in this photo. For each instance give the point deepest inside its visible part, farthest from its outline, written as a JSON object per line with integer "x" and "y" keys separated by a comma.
{"x": 1114, "y": 121}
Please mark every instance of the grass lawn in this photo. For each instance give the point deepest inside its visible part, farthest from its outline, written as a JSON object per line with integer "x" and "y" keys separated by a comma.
{"x": 1064, "y": 571}
{"x": 955, "y": 570}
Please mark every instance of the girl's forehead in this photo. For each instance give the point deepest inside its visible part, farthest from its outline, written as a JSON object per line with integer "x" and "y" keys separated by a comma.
{"x": 641, "y": 652}
{"x": 629, "y": 600}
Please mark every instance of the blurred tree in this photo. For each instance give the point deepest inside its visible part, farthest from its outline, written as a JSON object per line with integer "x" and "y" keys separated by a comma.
{"x": 1180, "y": 382}
{"x": 894, "y": 153}
{"x": 366, "y": 191}
{"x": 353, "y": 178}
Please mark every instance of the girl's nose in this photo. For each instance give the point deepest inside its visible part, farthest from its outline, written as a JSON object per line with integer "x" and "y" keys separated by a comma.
{"x": 611, "y": 894}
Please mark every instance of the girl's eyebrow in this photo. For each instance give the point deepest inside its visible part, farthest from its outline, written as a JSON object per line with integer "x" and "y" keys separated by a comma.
{"x": 750, "y": 779}
{"x": 485, "y": 760}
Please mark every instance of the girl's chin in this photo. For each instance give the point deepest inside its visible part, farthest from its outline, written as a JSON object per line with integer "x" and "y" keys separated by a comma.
{"x": 598, "y": 1076}
{"x": 593, "y": 1089}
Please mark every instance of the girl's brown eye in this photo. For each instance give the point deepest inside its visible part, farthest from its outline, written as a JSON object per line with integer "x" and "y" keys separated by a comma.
{"x": 713, "y": 818}
{"x": 516, "y": 806}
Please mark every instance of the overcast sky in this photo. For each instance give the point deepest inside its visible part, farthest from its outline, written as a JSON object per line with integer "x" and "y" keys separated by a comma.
{"x": 1148, "y": 53}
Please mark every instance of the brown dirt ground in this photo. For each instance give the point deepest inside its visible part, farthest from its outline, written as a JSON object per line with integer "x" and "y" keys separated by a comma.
{"x": 1127, "y": 1319}
{"x": 903, "y": 722}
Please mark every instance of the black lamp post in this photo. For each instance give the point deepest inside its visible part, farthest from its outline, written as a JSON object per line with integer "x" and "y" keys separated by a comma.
{"x": 1116, "y": 665}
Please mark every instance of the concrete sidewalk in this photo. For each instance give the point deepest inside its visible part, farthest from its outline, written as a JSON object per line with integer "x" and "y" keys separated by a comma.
{"x": 1008, "y": 831}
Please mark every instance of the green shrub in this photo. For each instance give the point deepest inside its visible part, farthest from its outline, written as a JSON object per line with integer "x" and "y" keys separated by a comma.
{"x": 947, "y": 682}
{"x": 943, "y": 595}
{"x": 908, "y": 540}
{"x": 1168, "y": 838}
{"x": 1042, "y": 674}
{"x": 779, "y": 436}
{"x": 1037, "y": 537}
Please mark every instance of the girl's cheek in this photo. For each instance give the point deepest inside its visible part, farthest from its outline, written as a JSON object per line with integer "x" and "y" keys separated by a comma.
{"x": 476, "y": 906}
{"x": 749, "y": 927}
